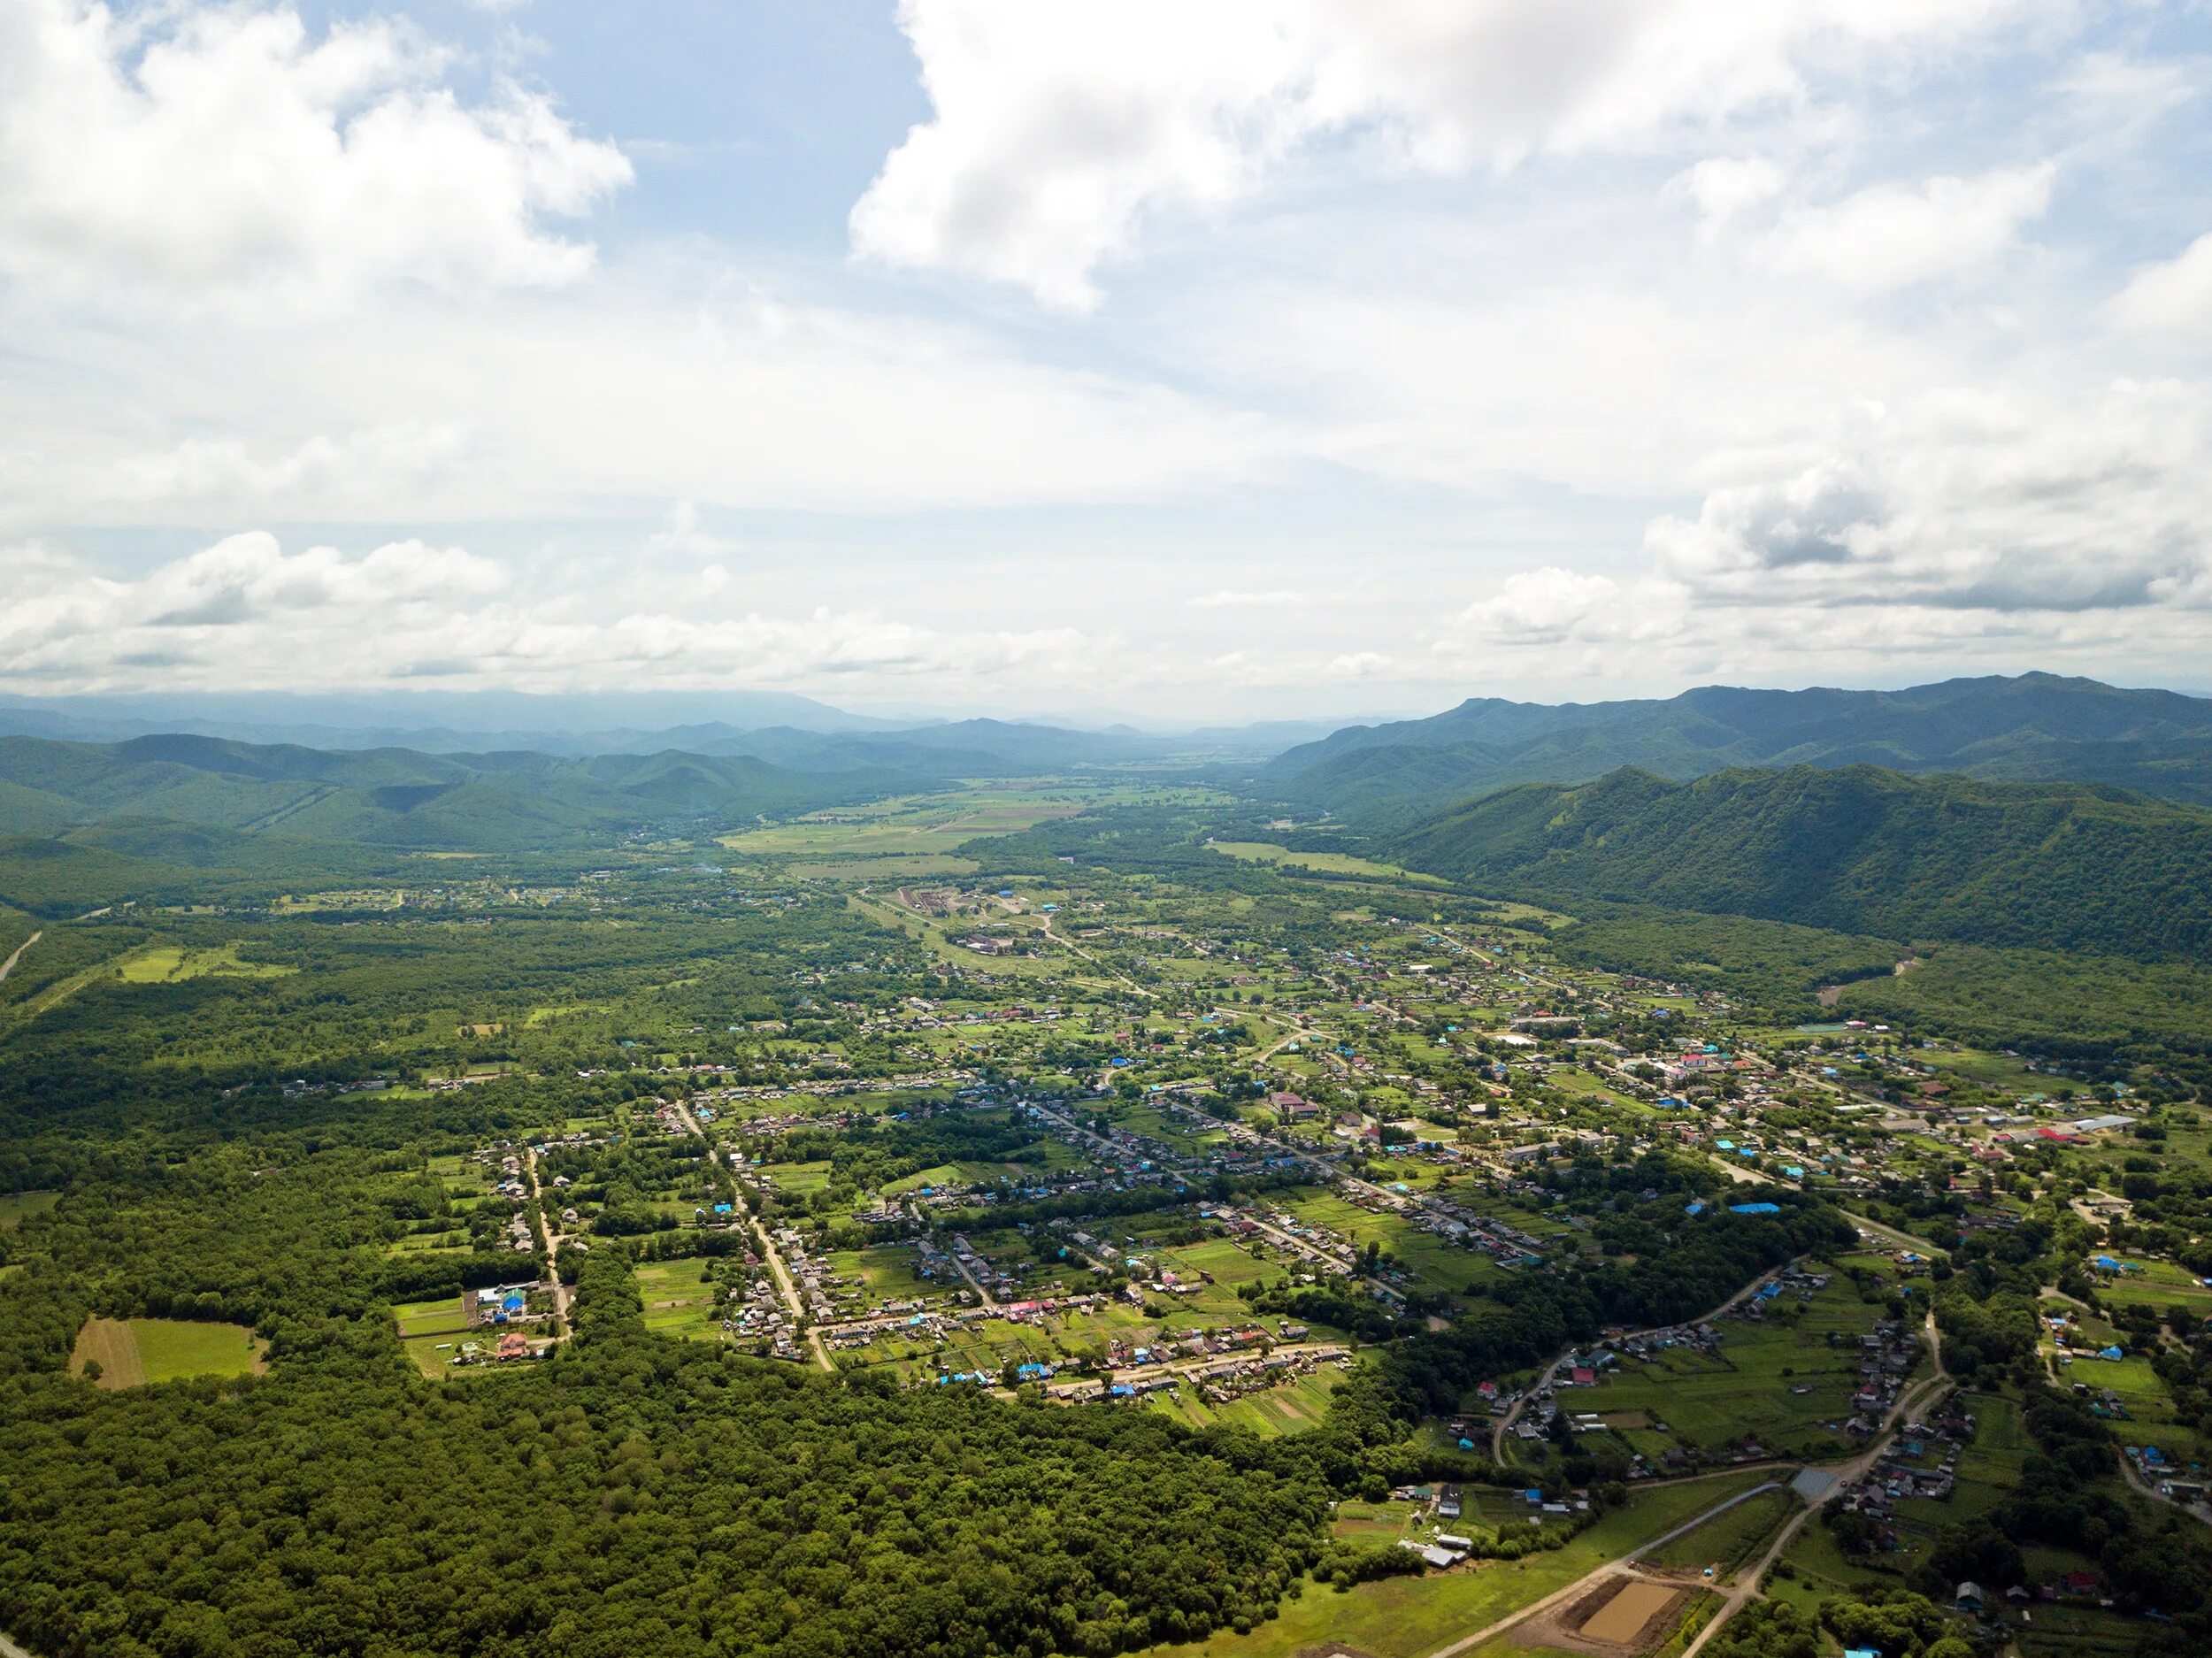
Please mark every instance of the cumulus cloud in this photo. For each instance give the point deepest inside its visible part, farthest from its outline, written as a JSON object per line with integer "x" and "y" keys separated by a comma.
{"x": 1970, "y": 501}
{"x": 243, "y": 614}
{"x": 224, "y": 153}
{"x": 1058, "y": 128}
{"x": 1543, "y": 606}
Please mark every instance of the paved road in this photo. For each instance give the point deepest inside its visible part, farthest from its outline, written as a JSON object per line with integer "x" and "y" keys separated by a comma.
{"x": 1069, "y": 944}
{"x": 1748, "y": 1580}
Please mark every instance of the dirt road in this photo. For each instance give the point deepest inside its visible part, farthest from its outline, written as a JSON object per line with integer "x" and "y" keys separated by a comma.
{"x": 8, "y": 966}
{"x": 553, "y": 1240}
{"x": 1551, "y": 1376}
{"x": 1582, "y": 1585}
{"x": 1749, "y": 1578}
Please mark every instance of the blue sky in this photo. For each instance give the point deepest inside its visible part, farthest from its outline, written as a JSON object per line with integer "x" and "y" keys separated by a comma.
{"x": 1259, "y": 358}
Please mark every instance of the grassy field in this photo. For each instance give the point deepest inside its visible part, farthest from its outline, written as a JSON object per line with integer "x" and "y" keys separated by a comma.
{"x": 1324, "y": 863}
{"x": 1726, "y": 1541}
{"x": 1402, "y": 1617}
{"x": 677, "y": 1302}
{"x": 133, "y": 1352}
{"x": 173, "y": 963}
{"x": 1746, "y": 1388}
{"x": 17, "y": 1206}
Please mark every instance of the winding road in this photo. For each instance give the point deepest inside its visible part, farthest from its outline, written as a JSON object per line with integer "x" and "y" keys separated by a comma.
{"x": 8, "y": 966}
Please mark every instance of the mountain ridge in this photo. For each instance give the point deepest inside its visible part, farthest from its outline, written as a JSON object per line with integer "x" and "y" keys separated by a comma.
{"x": 2031, "y": 727}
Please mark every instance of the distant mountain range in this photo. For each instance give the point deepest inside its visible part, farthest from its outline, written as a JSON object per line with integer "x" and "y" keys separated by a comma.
{"x": 1858, "y": 850}
{"x": 793, "y": 731}
{"x": 142, "y": 809}
{"x": 2036, "y": 727}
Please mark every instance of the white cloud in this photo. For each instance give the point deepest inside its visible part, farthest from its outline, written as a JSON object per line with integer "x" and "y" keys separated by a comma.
{"x": 243, "y": 614}
{"x": 1542, "y": 606}
{"x": 1970, "y": 501}
{"x": 221, "y": 153}
{"x": 641, "y": 387}
{"x": 1357, "y": 664}
{"x": 2174, "y": 296}
{"x": 1058, "y": 128}
{"x": 1724, "y": 187}
{"x": 1896, "y": 235}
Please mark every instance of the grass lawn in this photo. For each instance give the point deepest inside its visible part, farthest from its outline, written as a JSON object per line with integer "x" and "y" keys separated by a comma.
{"x": 132, "y": 1352}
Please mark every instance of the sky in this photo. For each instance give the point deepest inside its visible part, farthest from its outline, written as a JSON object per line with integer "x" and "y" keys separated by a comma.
{"x": 1197, "y": 360}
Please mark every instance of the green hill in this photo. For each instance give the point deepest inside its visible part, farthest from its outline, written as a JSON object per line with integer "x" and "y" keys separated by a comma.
{"x": 2037, "y": 726}
{"x": 1862, "y": 850}
{"x": 396, "y": 797}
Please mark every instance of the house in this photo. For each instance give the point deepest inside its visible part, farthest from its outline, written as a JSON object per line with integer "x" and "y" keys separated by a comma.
{"x": 1968, "y": 1597}
{"x": 2080, "y": 1583}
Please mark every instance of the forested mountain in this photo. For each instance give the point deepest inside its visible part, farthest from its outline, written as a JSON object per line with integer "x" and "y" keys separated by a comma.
{"x": 1858, "y": 850}
{"x": 398, "y": 797}
{"x": 2036, "y": 727}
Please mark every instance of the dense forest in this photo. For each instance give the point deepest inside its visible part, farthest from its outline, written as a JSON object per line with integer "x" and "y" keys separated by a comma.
{"x": 2035, "y": 727}
{"x": 2051, "y": 866}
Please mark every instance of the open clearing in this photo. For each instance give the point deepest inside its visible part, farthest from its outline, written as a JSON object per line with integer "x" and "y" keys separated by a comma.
{"x": 173, "y": 963}
{"x": 16, "y": 1206}
{"x": 1321, "y": 863}
{"x": 1623, "y": 1618}
{"x": 132, "y": 1352}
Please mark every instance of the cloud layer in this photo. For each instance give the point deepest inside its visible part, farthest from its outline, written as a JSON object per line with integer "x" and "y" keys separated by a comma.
{"x": 1059, "y": 128}
{"x": 1243, "y": 357}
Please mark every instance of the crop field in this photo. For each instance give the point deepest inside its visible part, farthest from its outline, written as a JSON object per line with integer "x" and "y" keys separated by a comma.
{"x": 1293, "y": 1406}
{"x": 1107, "y": 1114}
